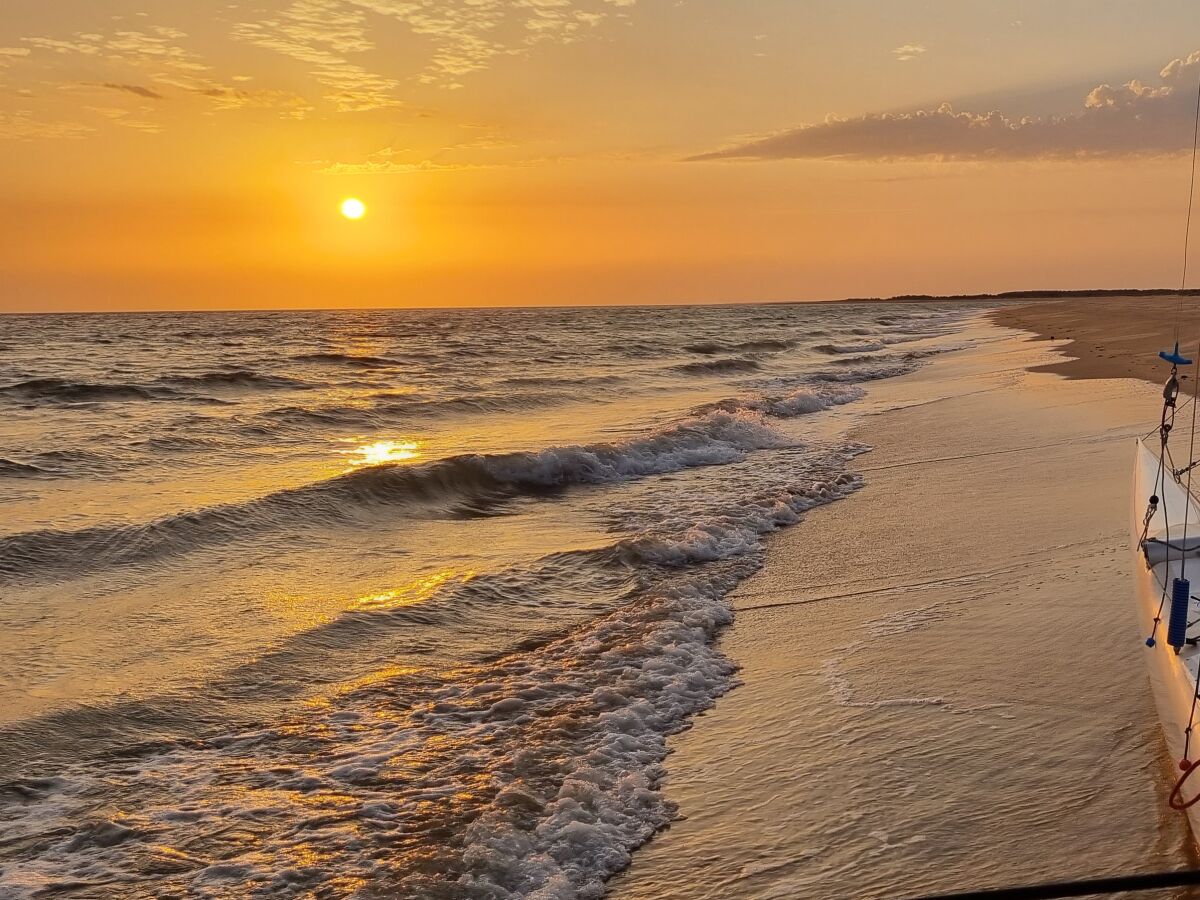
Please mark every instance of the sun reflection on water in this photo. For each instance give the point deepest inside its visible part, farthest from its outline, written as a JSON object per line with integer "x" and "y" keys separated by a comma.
{"x": 381, "y": 452}
{"x": 417, "y": 591}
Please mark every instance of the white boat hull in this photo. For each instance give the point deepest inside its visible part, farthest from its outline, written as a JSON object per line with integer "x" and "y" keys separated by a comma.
{"x": 1172, "y": 675}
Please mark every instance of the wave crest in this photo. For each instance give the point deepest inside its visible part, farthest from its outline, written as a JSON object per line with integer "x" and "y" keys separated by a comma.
{"x": 167, "y": 388}
{"x": 62, "y": 390}
{"x": 460, "y": 485}
{"x": 863, "y": 347}
{"x": 717, "y": 366}
{"x": 711, "y": 348}
{"x": 346, "y": 359}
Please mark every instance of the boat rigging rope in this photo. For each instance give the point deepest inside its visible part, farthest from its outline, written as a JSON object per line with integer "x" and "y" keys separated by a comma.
{"x": 1149, "y": 434}
{"x": 1166, "y": 423}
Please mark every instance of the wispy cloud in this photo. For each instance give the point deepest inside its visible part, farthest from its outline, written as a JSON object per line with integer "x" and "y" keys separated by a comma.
{"x": 322, "y": 33}
{"x": 136, "y": 89}
{"x": 125, "y": 119}
{"x": 392, "y": 161}
{"x": 8, "y": 55}
{"x": 286, "y": 103}
{"x": 909, "y": 52}
{"x": 463, "y": 36}
{"x": 1132, "y": 119}
{"x": 157, "y": 54}
{"x": 390, "y": 167}
{"x": 338, "y": 42}
{"x": 22, "y": 126}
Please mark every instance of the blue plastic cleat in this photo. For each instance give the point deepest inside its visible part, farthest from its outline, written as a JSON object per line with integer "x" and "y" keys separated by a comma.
{"x": 1173, "y": 357}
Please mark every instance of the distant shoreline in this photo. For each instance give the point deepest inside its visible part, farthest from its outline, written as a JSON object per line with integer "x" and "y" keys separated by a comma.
{"x": 1030, "y": 295}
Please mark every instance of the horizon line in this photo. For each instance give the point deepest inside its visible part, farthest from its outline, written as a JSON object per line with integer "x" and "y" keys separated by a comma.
{"x": 1064, "y": 294}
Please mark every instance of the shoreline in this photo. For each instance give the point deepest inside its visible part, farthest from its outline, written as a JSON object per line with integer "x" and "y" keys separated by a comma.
{"x": 959, "y": 701}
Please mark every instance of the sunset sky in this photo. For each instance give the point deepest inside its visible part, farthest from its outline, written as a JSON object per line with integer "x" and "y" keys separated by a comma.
{"x": 187, "y": 154}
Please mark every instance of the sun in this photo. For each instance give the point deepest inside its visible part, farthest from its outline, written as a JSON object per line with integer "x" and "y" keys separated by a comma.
{"x": 353, "y": 208}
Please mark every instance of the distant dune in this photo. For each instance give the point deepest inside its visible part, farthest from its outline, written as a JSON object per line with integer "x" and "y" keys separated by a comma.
{"x": 1034, "y": 295}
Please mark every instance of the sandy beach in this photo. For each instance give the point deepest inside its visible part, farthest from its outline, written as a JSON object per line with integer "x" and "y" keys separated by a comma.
{"x": 1108, "y": 337}
{"x": 942, "y": 683}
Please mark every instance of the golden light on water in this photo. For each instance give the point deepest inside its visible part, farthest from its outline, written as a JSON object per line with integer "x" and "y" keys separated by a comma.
{"x": 353, "y": 208}
{"x": 416, "y": 591}
{"x": 382, "y": 452}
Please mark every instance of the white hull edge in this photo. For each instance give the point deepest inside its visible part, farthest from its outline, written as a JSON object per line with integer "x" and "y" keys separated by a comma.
{"x": 1172, "y": 676}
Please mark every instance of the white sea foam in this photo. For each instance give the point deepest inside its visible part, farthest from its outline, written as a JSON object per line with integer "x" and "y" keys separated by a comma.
{"x": 572, "y": 737}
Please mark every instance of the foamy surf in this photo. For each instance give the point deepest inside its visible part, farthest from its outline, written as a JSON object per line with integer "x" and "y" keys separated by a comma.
{"x": 448, "y": 674}
{"x": 715, "y": 437}
{"x": 542, "y": 769}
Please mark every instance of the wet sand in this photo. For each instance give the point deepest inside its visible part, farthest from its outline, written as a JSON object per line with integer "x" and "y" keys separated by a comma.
{"x": 1109, "y": 337}
{"x": 942, "y": 682}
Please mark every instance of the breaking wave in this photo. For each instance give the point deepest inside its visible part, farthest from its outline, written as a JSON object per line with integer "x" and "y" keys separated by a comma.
{"x": 459, "y": 485}
{"x": 385, "y": 786}
{"x": 792, "y": 403}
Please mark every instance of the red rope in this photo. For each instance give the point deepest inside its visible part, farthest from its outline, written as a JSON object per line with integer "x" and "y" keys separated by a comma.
{"x": 1175, "y": 800}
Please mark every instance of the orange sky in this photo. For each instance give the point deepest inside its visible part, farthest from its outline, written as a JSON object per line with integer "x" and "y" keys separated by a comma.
{"x": 586, "y": 151}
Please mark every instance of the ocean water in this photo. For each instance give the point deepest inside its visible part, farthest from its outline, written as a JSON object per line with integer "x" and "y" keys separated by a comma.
{"x": 390, "y": 603}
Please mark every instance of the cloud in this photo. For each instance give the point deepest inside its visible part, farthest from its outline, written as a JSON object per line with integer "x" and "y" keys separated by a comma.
{"x": 463, "y": 36}
{"x": 390, "y": 167}
{"x": 909, "y": 52}
{"x": 388, "y": 161}
{"x": 322, "y": 33}
{"x": 1133, "y": 119}
{"x": 21, "y": 126}
{"x": 159, "y": 45}
{"x": 335, "y": 41}
{"x": 156, "y": 51}
{"x": 9, "y": 54}
{"x": 289, "y": 105}
{"x": 125, "y": 119}
{"x": 57, "y": 46}
{"x": 135, "y": 89}
{"x": 158, "y": 55}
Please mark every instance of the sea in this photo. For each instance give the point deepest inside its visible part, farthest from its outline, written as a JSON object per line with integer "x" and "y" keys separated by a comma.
{"x": 391, "y": 603}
